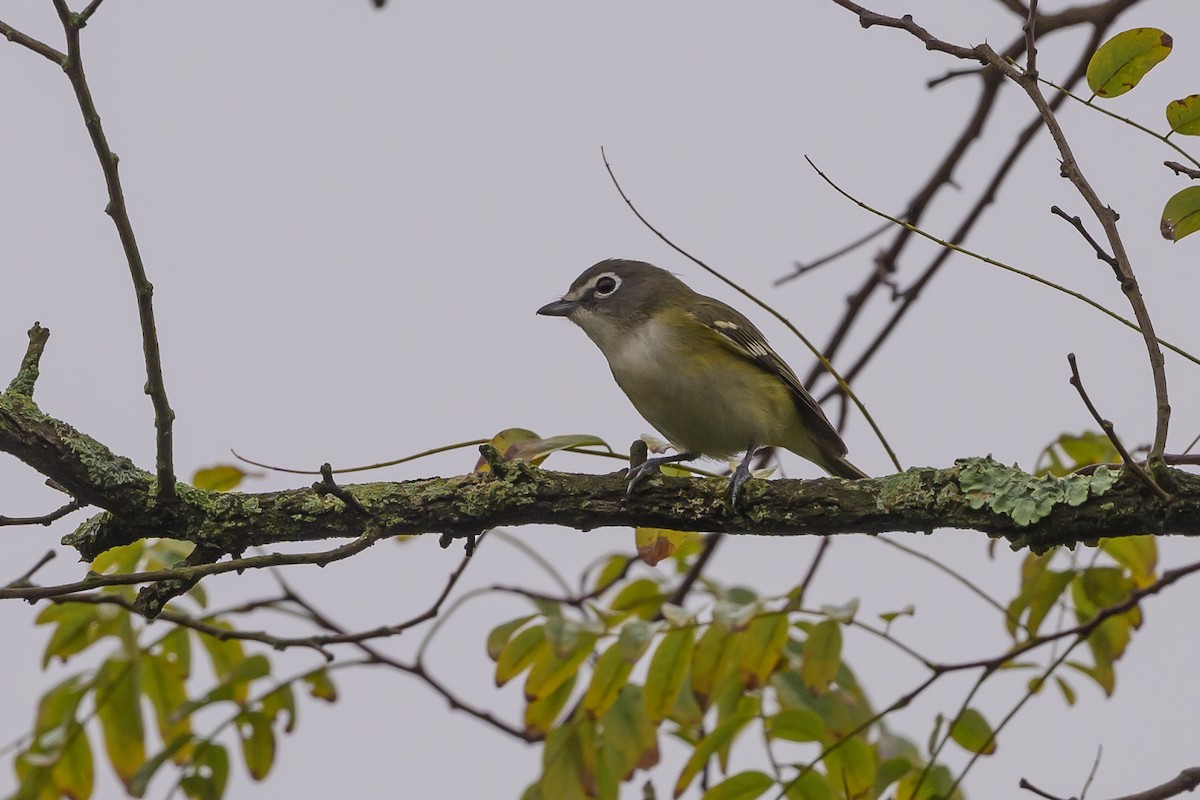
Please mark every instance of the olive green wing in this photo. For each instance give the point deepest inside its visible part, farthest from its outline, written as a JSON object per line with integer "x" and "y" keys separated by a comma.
{"x": 740, "y": 335}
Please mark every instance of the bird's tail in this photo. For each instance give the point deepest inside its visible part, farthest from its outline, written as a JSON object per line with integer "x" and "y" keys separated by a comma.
{"x": 841, "y": 468}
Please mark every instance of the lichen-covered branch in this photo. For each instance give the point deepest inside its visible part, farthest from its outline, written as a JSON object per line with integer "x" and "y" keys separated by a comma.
{"x": 979, "y": 495}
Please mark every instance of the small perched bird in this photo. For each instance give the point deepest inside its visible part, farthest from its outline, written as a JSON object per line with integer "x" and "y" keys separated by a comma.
{"x": 698, "y": 371}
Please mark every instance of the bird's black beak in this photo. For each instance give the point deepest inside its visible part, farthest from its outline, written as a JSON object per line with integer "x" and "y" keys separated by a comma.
{"x": 559, "y": 308}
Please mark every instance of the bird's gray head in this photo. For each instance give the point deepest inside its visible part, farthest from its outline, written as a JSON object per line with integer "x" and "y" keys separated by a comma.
{"x": 617, "y": 292}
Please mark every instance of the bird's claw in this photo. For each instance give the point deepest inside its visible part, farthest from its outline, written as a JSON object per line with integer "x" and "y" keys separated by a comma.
{"x": 635, "y": 475}
{"x": 736, "y": 482}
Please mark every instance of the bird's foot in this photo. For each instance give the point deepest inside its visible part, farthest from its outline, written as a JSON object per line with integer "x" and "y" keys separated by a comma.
{"x": 649, "y": 468}
{"x": 738, "y": 479}
{"x": 736, "y": 482}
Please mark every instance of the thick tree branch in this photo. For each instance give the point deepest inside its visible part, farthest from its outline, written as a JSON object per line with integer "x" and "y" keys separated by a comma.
{"x": 917, "y": 500}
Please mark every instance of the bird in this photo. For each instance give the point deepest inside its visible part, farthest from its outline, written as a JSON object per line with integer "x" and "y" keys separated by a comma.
{"x": 698, "y": 371}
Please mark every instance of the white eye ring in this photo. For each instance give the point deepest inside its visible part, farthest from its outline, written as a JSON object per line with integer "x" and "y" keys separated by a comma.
{"x": 601, "y": 287}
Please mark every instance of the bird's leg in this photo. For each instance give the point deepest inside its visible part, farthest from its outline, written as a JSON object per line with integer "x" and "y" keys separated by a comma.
{"x": 649, "y": 467}
{"x": 739, "y": 478}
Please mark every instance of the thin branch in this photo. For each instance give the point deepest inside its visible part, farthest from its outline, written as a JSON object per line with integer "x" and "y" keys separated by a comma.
{"x": 696, "y": 570}
{"x": 1185, "y": 781}
{"x": 417, "y": 670}
{"x": 799, "y": 269}
{"x": 1108, "y": 221}
{"x": 869, "y": 19}
{"x": 1180, "y": 169}
{"x": 1077, "y": 223}
{"x": 948, "y": 245}
{"x": 1111, "y": 433}
{"x": 192, "y": 573}
{"x": 962, "y": 579}
{"x": 28, "y": 574}
{"x": 45, "y": 519}
{"x": 1030, "y": 31}
{"x": 41, "y": 48}
{"x": 155, "y": 387}
{"x": 87, "y": 13}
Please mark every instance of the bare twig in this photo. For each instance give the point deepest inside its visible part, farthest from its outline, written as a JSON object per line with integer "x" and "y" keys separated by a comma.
{"x": 948, "y": 245}
{"x": 41, "y": 48}
{"x": 164, "y": 417}
{"x": 189, "y": 573}
{"x": 1111, "y": 433}
{"x": 1185, "y": 781}
{"x": 25, "y": 577}
{"x": 1077, "y": 223}
{"x": 45, "y": 519}
{"x": 1180, "y": 169}
{"x": 799, "y": 269}
{"x": 1108, "y": 221}
{"x": 1030, "y": 31}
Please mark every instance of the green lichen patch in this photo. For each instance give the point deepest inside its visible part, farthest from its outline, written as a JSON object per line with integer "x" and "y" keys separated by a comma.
{"x": 1024, "y": 497}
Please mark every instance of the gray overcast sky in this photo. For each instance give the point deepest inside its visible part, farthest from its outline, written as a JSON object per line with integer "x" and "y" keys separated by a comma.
{"x": 350, "y": 217}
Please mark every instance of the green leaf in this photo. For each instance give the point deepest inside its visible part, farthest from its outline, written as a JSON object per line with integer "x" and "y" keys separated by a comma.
{"x": 120, "y": 559}
{"x": 642, "y": 597}
{"x": 553, "y": 667}
{"x": 614, "y": 567}
{"x": 796, "y": 725}
{"x": 933, "y": 785}
{"x": 235, "y": 687}
{"x": 77, "y": 626}
{"x": 1068, "y": 692}
{"x": 721, "y": 736}
{"x": 851, "y": 765}
{"x": 176, "y": 647}
{"x": 972, "y": 733}
{"x": 1138, "y": 554}
{"x": 57, "y": 706}
{"x": 541, "y": 713}
{"x": 164, "y": 686}
{"x": 520, "y": 652}
{"x": 1184, "y": 115}
{"x": 281, "y": 701}
{"x": 119, "y": 708}
{"x": 206, "y": 777}
{"x": 628, "y": 733}
{"x": 742, "y": 786}
{"x": 258, "y": 742}
{"x": 762, "y": 647}
{"x": 141, "y": 780}
{"x": 717, "y": 655}
{"x": 822, "y": 656}
{"x": 226, "y": 656}
{"x": 1121, "y": 62}
{"x": 1181, "y": 214}
{"x": 74, "y": 774}
{"x": 667, "y": 672}
{"x": 611, "y": 674}
{"x": 321, "y": 686}
{"x": 812, "y": 785}
{"x": 500, "y": 635}
{"x": 218, "y": 478}
{"x": 568, "y": 768}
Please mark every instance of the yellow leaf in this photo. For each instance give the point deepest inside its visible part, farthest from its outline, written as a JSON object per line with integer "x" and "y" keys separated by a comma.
{"x": 219, "y": 477}
{"x": 655, "y": 544}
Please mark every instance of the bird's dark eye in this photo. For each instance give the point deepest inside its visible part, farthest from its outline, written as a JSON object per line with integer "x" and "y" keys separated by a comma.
{"x": 606, "y": 285}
